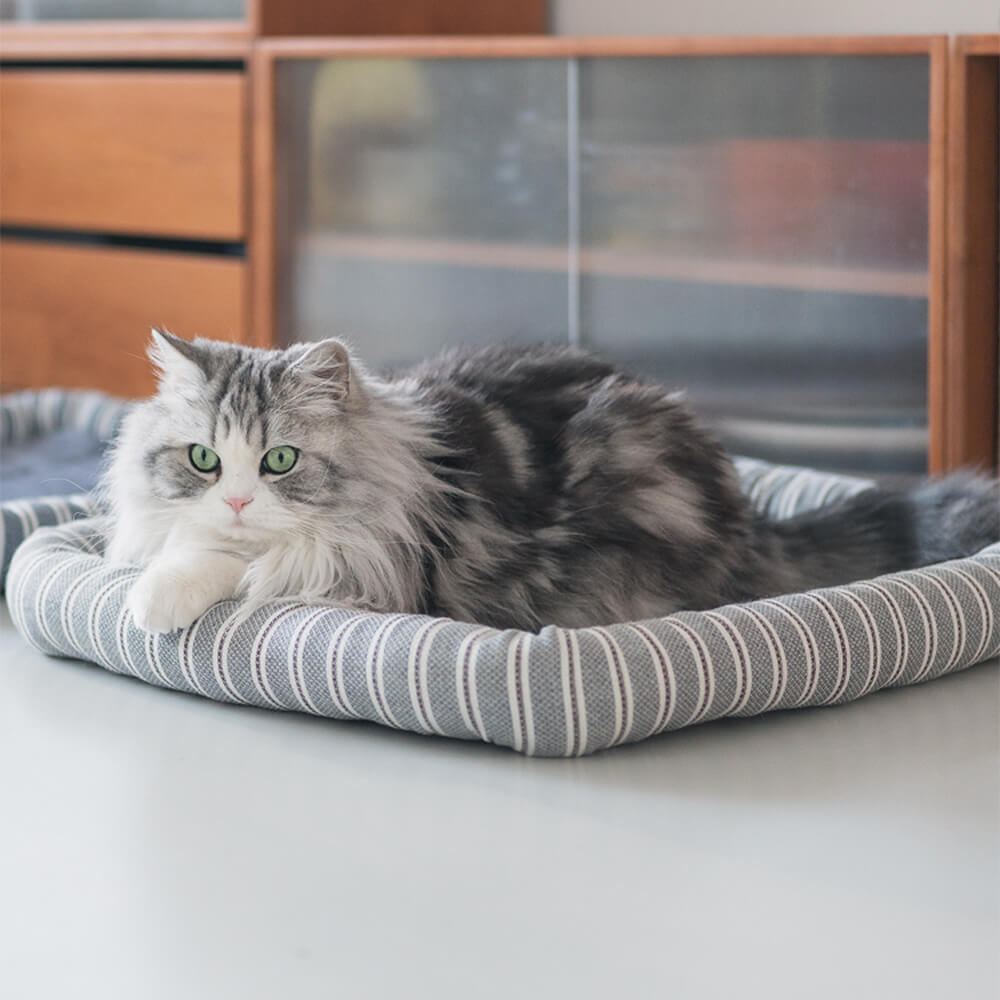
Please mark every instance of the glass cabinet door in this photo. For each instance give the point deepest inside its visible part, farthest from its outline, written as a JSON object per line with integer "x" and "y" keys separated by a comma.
{"x": 422, "y": 203}
{"x": 752, "y": 229}
{"x": 755, "y": 230}
{"x": 30, "y": 11}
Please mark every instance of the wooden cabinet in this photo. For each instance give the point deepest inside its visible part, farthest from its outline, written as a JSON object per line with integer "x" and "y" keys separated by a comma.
{"x": 80, "y": 315}
{"x": 761, "y": 222}
{"x": 800, "y": 232}
{"x": 125, "y": 168}
{"x": 152, "y": 152}
{"x": 973, "y": 251}
{"x": 123, "y": 206}
{"x": 78, "y": 19}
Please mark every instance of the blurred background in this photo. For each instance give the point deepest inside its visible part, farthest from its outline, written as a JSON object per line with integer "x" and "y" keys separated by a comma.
{"x": 765, "y": 220}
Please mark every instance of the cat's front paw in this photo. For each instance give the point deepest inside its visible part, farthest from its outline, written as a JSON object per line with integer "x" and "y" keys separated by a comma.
{"x": 164, "y": 599}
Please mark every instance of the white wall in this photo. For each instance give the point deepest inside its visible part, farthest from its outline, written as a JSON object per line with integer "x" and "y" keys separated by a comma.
{"x": 774, "y": 17}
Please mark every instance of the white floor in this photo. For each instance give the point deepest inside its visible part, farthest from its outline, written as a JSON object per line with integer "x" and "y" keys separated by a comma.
{"x": 154, "y": 845}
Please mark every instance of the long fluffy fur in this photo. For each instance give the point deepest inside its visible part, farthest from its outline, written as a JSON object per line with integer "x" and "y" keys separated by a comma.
{"x": 515, "y": 487}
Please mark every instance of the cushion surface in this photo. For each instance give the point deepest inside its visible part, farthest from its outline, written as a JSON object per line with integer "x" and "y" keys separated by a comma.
{"x": 557, "y": 692}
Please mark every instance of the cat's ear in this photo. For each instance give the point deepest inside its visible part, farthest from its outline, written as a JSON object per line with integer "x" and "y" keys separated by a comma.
{"x": 329, "y": 364}
{"x": 176, "y": 358}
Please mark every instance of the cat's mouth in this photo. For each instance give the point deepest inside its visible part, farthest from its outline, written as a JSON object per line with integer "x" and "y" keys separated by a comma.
{"x": 237, "y": 527}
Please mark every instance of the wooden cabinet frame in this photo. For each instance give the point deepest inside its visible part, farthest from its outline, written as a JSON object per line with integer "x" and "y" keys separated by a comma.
{"x": 948, "y": 420}
{"x": 971, "y": 372}
{"x": 159, "y": 38}
{"x": 963, "y": 96}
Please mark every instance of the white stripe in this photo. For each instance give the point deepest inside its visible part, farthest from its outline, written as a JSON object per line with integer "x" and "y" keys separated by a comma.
{"x": 17, "y": 595}
{"x": 41, "y": 595}
{"x": 474, "y": 687}
{"x": 621, "y": 686}
{"x": 779, "y": 664}
{"x": 930, "y": 627}
{"x": 296, "y": 661}
{"x": 898, "y": 627}
{"x": 567, "y": 691}
{"x": 24, "y": 513}
{"x": 374, "y": 671}
{"x": 615, "y": 692}
{"x": 741, "y": 665}
{"x": 796, "y": 486}
{"x": 411, "y": 676}
{"x": 120, "y": 630}
{"x": 69, "y": 601}
{"x": 258, "y": 652}
{"x": 94, "y": 618}
{"x": 704, "y": 667}
{"x": 31, "y": 556}
{"x": 423, "y": 675}
{"x": 62, "y": 513}
{"x": 461, "y": 668}
{"x": 220, "y": 657}
{"x": 661, "y": 665}
{"x": 984, "y": 606}
{"x": 529, "y": 711}
{"x": 841, "y": 642}
{"x": 153, "y": 651}
{"x": 46, "y": 407}
{"x": 958, "y": 627}
{"x": 581, "y": 700}
{"x": 810, "y": 650}
{"x": 334, "y": 675}
{"x": 874, "y": 641}
{"x": 515, "y": 710}
{"x": 185, "y": 654}
{"x": 88, "y": 406}
{"x": 627, "y": 690}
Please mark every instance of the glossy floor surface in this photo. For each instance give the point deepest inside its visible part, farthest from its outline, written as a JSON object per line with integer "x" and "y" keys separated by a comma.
{"x": 154, "y": 845}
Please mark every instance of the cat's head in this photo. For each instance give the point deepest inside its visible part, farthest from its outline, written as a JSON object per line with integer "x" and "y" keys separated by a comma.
{"x": 246, "y": 443}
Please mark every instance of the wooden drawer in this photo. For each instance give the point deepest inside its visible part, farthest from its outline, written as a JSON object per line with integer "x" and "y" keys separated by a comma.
{"x": 80, "y": 316}
{"x": 155, "y": 152}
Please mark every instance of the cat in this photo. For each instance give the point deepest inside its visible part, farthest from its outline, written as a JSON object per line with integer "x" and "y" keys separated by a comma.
{"x": 516, "y": 487}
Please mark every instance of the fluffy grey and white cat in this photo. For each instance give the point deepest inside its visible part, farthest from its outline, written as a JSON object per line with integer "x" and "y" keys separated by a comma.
{"x": 514, "y": 487}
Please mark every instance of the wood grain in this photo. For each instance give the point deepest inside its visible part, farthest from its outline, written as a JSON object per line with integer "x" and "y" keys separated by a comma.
{"x": 115, "y": 40}
{"x": 388, "y": 17}
{"x": 979, "y": 45}
{"x": 80, "y": 316}
{"x": 263, "y": 210}
{"x": 569, "y": 46}
{"x": 124, "y": 151}
{"x": 973, "y": 315}
{"x": 937, "y": 347}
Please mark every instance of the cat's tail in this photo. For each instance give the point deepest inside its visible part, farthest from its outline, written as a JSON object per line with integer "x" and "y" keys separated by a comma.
{"x": 878, "y": 531}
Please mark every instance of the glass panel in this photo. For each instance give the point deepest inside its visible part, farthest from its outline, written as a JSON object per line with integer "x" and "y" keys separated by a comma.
{"x": 755, "y": 230}
{"x": 422, "y": 203}
{"x": 121, "y": 10}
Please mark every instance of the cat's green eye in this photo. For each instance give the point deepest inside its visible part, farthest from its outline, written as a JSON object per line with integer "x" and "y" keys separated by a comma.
{"x": 280, "y": 459}
{"x": 202, "y": 458}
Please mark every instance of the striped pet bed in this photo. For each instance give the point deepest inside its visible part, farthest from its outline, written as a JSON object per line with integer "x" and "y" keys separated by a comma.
{"x": 29, "y": 416}
{"x": 558, "y": 692}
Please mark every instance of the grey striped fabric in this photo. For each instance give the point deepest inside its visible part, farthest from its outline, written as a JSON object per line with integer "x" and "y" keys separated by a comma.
{"x": 31, "y": 414}
{"x": 558, "y": 692}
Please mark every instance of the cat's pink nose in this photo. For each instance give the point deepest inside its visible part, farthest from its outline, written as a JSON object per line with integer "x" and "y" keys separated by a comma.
{"x": 237, "y": 503}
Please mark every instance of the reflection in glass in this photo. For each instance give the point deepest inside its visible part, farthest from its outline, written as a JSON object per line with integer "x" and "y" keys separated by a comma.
{"x": 754, "y": 230}
{"x": 414, "y": 191}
